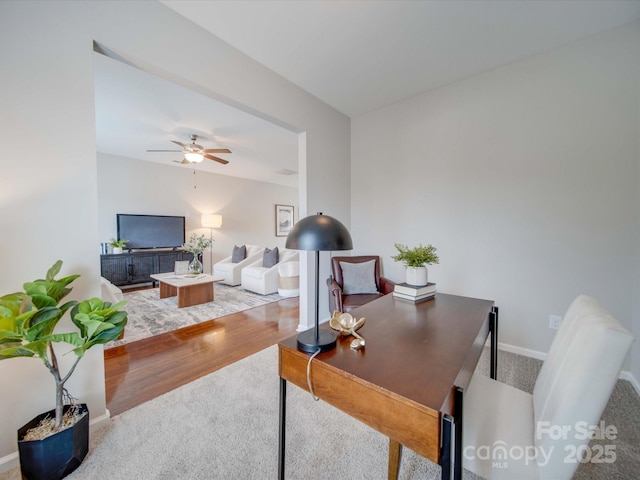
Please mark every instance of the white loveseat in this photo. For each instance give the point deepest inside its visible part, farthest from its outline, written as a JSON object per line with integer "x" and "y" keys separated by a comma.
{"x": 230, "y": 271}
{"x": 263, "y": 280}
{"x": 109, "y": 292}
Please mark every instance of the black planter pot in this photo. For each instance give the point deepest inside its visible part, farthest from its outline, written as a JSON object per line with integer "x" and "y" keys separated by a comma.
{"x": 56, "y": 456}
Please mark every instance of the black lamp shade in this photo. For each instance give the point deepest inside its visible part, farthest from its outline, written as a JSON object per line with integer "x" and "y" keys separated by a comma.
{"x": 319, "y": 233}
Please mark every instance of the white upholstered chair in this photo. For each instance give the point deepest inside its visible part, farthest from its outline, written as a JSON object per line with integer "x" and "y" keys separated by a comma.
{"x": 289, "y": 279}
{"x": 109, "y": 292}
{"x": 231, "y": 272}
{"x": 263, "y": 280}
{"x": 571, "y": 392}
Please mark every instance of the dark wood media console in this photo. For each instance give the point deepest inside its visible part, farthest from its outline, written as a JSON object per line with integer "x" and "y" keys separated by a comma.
{"x": 136, "y": 267}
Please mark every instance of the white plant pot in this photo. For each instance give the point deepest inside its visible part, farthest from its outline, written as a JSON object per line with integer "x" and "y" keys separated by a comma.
{"x": 117, "y": 249}
{"x": 417, "y": 276}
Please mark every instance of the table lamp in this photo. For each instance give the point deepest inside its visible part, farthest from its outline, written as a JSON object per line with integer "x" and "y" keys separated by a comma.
{"x": 318, "y": 233}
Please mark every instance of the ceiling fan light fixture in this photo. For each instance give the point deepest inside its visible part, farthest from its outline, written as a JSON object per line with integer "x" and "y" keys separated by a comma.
{"x": 194, "y": 157}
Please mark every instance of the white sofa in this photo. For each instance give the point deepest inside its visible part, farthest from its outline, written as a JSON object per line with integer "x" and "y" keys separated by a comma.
{"x": 262, "y": 280}
{"x": 109, "y": 292}
{"x": 230, "y": 271}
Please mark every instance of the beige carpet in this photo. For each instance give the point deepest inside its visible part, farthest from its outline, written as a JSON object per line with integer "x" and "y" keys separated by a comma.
{"x": 224, "y": 426}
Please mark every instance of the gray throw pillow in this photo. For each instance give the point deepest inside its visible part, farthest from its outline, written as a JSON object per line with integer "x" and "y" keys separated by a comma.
{"x": 270, "y": 257}
{"x": 358, "y": 277}
{"x": 239, "y": 253}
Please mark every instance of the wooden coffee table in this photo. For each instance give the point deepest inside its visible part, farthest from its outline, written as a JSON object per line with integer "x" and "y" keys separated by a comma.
{"x": 190, "y": 290}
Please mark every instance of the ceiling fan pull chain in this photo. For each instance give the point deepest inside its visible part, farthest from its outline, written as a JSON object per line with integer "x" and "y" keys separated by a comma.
{"x": 194, "y": 177}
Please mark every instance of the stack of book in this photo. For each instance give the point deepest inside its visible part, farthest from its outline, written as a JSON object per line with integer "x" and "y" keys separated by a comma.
{"x": 412, "y": 293}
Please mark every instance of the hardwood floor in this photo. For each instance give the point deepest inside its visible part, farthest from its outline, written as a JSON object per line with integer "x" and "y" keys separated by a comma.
{"x": 142, "y": 370}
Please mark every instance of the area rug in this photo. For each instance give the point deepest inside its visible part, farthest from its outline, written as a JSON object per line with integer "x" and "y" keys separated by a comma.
{"x": 149, "y": 315}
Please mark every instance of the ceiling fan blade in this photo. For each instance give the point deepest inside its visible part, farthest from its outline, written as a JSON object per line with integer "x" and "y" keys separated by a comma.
{"x": 179, "y": 143}
{"x": 216, "y": 159}
{"x": 216, "y": 150}
{"x": 164, "y": 150}
{"x": 184, "y": 160}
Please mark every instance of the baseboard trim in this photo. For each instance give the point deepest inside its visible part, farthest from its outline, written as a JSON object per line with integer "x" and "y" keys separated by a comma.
{"x": 627, "y": 375}
{"x": 9, "y": 461}
{"x": 526, "y": 352}
{"x": 12, "y": 460}
{"x": 304, "y": 328}
{"x": 624, "y": 374}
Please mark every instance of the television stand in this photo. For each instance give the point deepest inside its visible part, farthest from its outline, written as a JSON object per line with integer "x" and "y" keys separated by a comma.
{"x": 137, "y": 267}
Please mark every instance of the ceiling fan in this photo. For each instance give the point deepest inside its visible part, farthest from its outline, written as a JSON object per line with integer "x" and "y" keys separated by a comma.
{"x": 194, "y": 153}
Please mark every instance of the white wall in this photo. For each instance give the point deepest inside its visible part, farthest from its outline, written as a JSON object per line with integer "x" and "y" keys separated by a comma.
{"x": 48, "y": 202}
{"x": 247, "y": 207}
{"x": 525, "y": 178}
{"x": 635, "y": 351}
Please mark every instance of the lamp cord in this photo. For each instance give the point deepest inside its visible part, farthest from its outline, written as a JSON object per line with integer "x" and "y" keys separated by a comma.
{"x": 309, "y": 375}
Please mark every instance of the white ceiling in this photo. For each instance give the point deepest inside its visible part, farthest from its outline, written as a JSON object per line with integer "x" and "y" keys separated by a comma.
{"x": 358, "y": 56}
{"x": 137, "y": 111}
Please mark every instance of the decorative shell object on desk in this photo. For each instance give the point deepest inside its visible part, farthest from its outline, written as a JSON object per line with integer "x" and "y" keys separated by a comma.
{"x": 346, "y": 324}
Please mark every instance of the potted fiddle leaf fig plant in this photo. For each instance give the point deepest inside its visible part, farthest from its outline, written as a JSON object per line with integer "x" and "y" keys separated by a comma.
{"x": 416, "y": 259}
{"x": 54, "y": 444}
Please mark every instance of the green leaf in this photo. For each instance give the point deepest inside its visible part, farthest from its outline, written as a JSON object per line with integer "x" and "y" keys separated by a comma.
{"x": 38, "y": 287}
{"x": 11, "y": 304}
{"x": 9, "y": 324}
{"x": 105, "y": 336}
{"x": 14, "y": 352}
{"x": 95, "y": 327}
{"x": 42, "y": 301}
{"x": 94, "y": 305}
{"x": 43, "y": 322}
{"x": 417, "y": 256}
{"x": 72, "y": 338}
{"x": 117, "y": 318}
{"x": 38, "y": 347}
{"x": 68, "y": 305}
{"x": 54, "y": 270}
{"x": 8, "y": 342}
{"x": 9, "y": 335}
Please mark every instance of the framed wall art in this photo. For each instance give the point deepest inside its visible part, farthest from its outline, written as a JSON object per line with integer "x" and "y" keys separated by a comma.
{"x": 284, "y": 220}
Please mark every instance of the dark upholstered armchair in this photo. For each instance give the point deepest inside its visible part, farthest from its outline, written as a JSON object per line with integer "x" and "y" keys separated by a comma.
{"x": 356, "y": 281}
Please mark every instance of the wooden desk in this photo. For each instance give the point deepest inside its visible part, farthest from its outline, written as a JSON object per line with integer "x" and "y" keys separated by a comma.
{"x": 408, "y": 382}
{"x": 190, "y": 290}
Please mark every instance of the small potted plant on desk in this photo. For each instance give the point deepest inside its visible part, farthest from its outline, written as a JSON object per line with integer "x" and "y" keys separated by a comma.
{"x": 54, "y": 444}
{"x": 117, "y": 245}
{"x": 416, "y": 259}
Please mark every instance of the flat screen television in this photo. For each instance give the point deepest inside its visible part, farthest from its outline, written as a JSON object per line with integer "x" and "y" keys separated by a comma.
{"x": 150, "y": 231}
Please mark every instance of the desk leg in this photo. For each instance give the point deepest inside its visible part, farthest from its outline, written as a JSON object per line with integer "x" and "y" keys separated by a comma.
{"x": 493, "y": 327}
{"x": 457, "y": 425}
{"x": 445, "y": 447}
{"x": 395, "y": 452}
{"x": 281, "y": 431}
{"x": 452, "y": 426}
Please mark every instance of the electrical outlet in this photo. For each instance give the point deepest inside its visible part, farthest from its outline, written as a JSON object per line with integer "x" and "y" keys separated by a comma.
{"x": 555, "y": 321}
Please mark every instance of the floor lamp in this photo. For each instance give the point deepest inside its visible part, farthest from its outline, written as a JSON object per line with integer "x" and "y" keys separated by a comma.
{"x": 211, "y": 222}
{"x": 318, "y": 233}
